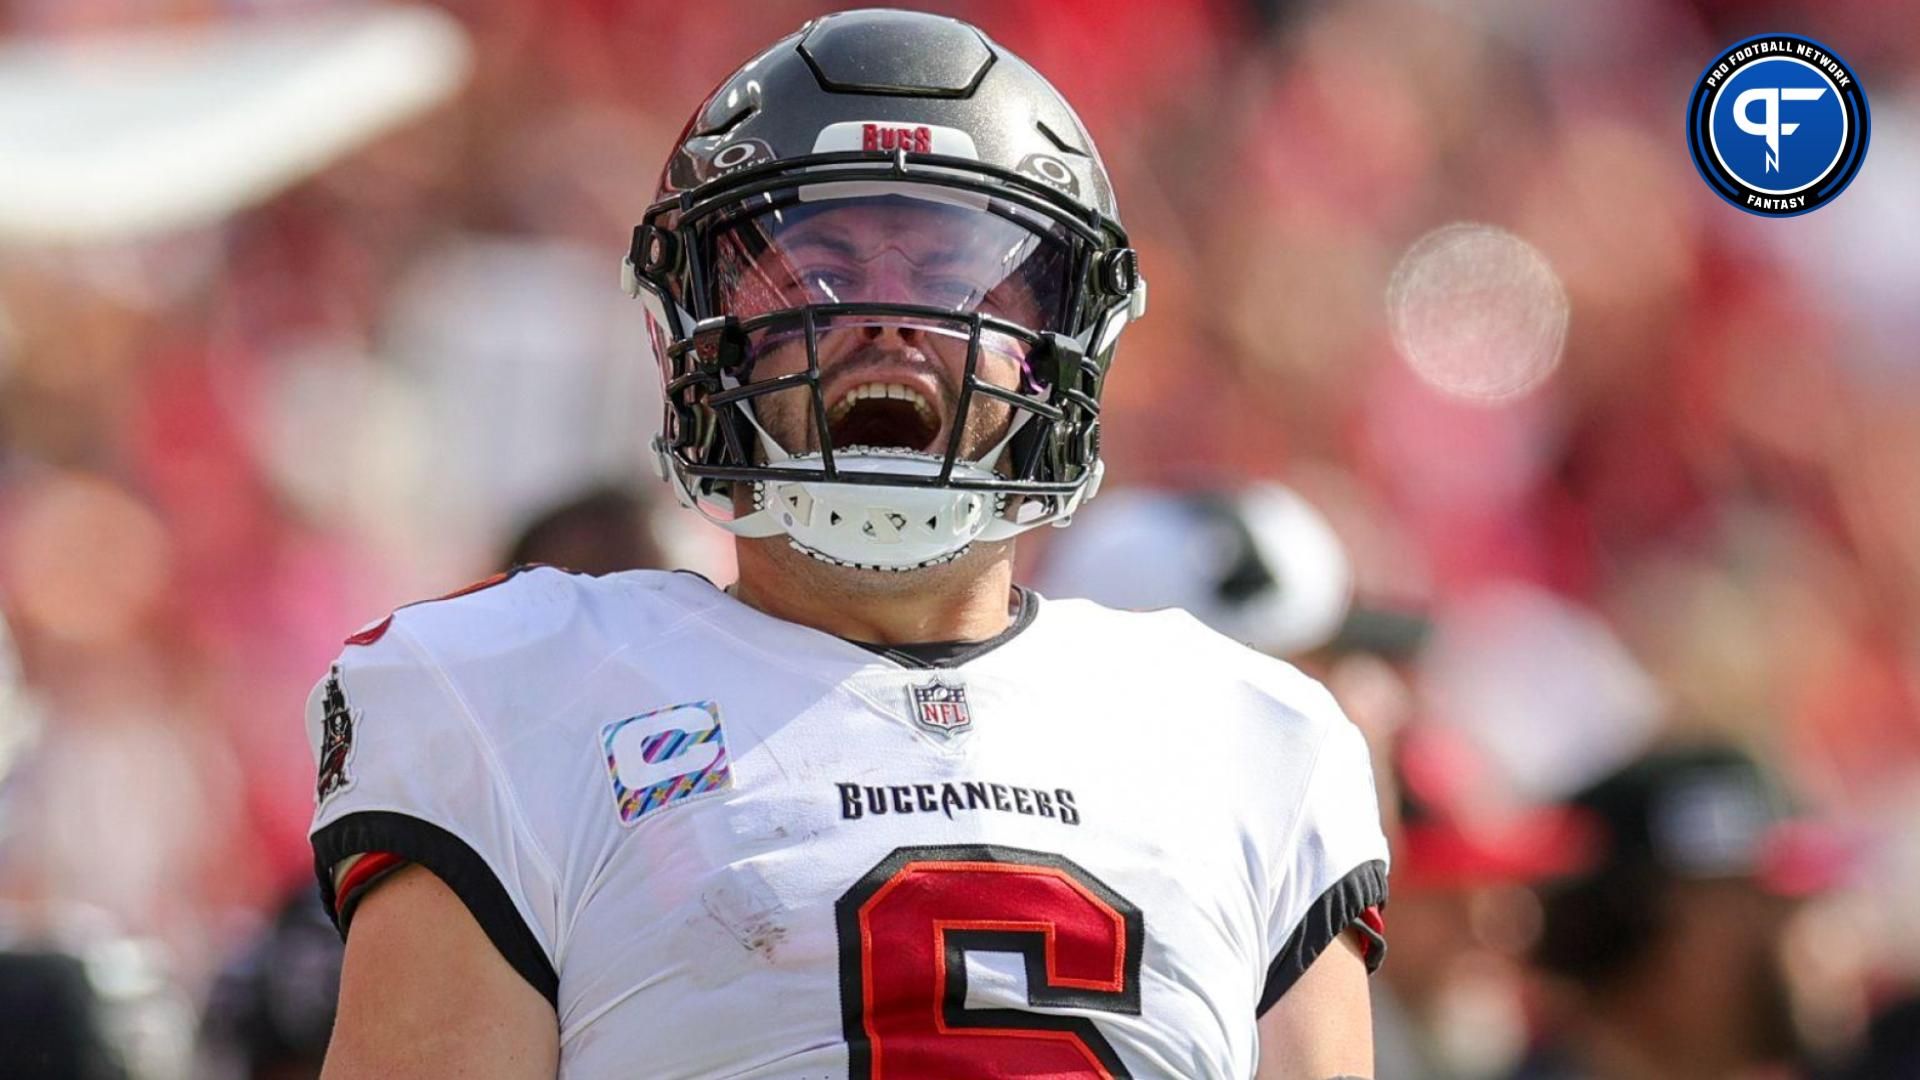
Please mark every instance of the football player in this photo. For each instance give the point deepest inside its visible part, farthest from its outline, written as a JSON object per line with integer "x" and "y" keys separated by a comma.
{"x": 871, "y": 810}
{"x": 1259, "y": 563}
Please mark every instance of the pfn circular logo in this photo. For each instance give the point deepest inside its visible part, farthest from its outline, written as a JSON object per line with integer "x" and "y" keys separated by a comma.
{"x": 1778, "y": 125}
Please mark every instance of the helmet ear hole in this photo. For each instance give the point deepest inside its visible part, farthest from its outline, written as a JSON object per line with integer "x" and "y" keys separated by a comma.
{"x": 1118, "y": 271}
{"x": 654, "y": 250}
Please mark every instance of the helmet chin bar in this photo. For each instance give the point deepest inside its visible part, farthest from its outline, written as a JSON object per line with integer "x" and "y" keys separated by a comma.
{"x": 878, "y": 526}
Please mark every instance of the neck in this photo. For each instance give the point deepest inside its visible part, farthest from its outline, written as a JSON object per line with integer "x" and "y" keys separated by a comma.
{"x": 963, "y": 600}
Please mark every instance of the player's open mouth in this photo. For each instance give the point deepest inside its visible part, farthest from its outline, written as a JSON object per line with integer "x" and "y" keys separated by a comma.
{"x": 884, "y": 414}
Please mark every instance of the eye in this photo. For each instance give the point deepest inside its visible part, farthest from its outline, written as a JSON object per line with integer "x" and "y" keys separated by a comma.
{"x": 829, "y": 283}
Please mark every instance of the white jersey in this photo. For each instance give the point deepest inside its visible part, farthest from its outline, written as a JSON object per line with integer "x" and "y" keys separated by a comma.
{"x": 724, "y": 845}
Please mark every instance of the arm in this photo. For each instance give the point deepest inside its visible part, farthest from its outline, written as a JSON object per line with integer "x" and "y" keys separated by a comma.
{"x": 425, "y": 994}
{"x": 448, "y": 969}
{"x": 1322, "y": 1027}
{"x": 1325, "y": 933}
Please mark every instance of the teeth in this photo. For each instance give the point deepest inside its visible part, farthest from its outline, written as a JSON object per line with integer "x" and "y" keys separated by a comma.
{"x": 883, "y": 390}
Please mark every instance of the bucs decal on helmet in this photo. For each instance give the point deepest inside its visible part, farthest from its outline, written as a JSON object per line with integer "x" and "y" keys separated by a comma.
{"x": 918, "y": 139}
{"x": 891, "y": 135}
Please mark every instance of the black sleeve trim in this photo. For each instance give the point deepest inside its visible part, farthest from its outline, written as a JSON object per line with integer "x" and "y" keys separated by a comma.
{"x": 1337, "y": 909}
{"x": 450, "y": 859}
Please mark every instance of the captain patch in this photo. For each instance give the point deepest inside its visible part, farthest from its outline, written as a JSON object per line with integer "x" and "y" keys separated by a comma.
{"x": 665, "y": 756}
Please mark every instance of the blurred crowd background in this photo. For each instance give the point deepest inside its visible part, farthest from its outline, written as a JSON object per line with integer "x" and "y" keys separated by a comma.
{"x": 309, "y": 309}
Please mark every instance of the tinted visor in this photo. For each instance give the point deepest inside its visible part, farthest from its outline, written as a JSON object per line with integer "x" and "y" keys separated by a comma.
{"x": 914, "y": 245}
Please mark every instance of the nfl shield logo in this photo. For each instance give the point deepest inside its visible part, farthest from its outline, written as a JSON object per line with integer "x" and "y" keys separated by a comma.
{"x": 940, "y": 706}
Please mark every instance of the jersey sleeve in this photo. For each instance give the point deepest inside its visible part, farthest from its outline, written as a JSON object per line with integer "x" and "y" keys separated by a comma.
{"x": 1333, "y": 876}
{"x": 405, "y": 774}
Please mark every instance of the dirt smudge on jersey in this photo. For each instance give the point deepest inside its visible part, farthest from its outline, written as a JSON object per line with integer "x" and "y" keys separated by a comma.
{"x": 748, "y": 910}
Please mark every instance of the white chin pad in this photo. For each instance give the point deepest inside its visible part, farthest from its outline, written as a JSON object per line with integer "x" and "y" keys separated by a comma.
{"x": 878, "y": 526}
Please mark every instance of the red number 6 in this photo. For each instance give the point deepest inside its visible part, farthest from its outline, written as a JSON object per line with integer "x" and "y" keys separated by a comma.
{"x": 907, "y": 927}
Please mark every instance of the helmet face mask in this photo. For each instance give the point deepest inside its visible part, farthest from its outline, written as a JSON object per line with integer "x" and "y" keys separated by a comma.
{"x": 885, "y": 353}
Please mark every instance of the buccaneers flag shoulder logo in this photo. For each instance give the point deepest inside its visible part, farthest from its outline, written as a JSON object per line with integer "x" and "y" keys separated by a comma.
{"x": 336, "y": 741}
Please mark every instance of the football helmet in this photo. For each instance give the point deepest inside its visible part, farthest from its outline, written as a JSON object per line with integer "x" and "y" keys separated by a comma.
{"x": 884, "y": 277}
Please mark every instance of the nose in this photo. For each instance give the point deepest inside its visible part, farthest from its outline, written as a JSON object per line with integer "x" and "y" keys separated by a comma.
{"x": 890, "y": 280}
{"x": 890, "y": 333}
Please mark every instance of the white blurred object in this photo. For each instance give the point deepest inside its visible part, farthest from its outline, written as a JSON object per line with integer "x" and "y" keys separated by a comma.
{"x": 533, "y": 382}
{"x": 116, "y": 137}
{"x": 1258, "y": 564}
{"x": 1548, "y": 692}
{"x": 342, "y": 436}
{"x": 1477, "y": 312}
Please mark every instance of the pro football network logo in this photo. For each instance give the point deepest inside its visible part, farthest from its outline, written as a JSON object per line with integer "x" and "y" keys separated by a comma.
{"x": 336, "y": 741}
{"x": 941, "y": 707}
{"x": 1778, "y": 125}
{"x": 666, "y": 756}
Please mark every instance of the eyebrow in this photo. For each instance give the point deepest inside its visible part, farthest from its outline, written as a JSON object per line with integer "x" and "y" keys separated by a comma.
{"x": 814, "y": 238}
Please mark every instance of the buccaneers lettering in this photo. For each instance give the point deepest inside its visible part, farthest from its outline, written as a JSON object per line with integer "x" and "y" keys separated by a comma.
{"x": 858, "y": 800}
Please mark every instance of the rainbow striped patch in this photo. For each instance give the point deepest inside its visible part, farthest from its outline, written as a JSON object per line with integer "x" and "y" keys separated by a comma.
{"x": 665, "y": 756}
